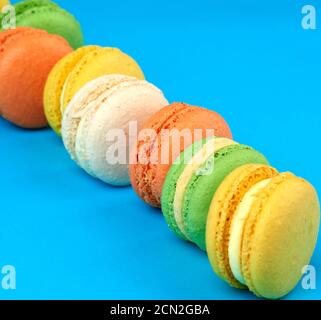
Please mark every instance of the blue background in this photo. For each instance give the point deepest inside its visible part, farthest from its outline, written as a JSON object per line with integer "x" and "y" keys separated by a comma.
{"x": 72, "y": 237}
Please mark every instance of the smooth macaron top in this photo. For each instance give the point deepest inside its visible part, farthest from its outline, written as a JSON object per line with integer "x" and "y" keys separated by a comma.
{"x": 49, "y": 16}
{"x": 261, "y": 230}
{"x": 96, "y": 123}
{"x": 12, "y": 34}
{"x": 78, "y": 68}
{"x": 193, "y": 180}
{"x": 26, "y": 57}
{"x": 148, "y": 177}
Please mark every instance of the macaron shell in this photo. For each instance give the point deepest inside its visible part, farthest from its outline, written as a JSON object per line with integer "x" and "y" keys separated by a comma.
{"x": 87, "y": 118}
{"x": 55, "y": 83}
{"x": 169, "y": 188}
{"x": 223, "y": 206}
{"x": 201, "y": 188}
{"x": 128, "y": 101}
{"x": 98, "y": 63}
{"x": 25, "y": 63}
{"x": 177, "y": 178}
{"x": 280, "y": 236}
{"x": 22, "y": 6}
{"x": 93, "y": 91}
{"x": 12, "y": 35}
{"x": 139, "y": 176}
{"x": 179, "y": 116}
{"x": 50, "y": 17}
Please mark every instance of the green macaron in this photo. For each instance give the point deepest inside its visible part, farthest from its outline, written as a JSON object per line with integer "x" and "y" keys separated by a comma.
{"x": 193, "y": 179}
{"x": 47, "y": 15}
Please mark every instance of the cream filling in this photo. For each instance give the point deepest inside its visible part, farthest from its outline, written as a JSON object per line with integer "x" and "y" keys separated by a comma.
{"x": 209, "y": 148}
{"x": 237, "y": 227}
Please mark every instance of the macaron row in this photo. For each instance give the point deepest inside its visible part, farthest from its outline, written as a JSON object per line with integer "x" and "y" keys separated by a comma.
{"x": 258, "y": 227}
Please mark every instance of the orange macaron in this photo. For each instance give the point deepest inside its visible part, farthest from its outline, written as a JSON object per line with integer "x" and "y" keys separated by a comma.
{"x": 183, "y": 124}
{"x": 27, "y": 56}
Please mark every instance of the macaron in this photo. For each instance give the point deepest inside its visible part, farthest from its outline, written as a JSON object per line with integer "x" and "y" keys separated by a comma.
{"x": 262, "y": 229}
{"x": 95, "y": 125}
{"x": 49, "y": 16}
{"x": 77, "y": 69}
{"x": 193, "y": 180}
{"x": 26, "y": 57}
{"x": 148, "y": 176}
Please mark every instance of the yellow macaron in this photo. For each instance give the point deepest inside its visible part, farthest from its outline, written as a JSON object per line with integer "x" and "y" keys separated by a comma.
{"x": 262, "y": 229}
{"x": 55, "y": 83}
{"x": 78, "y": 68}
